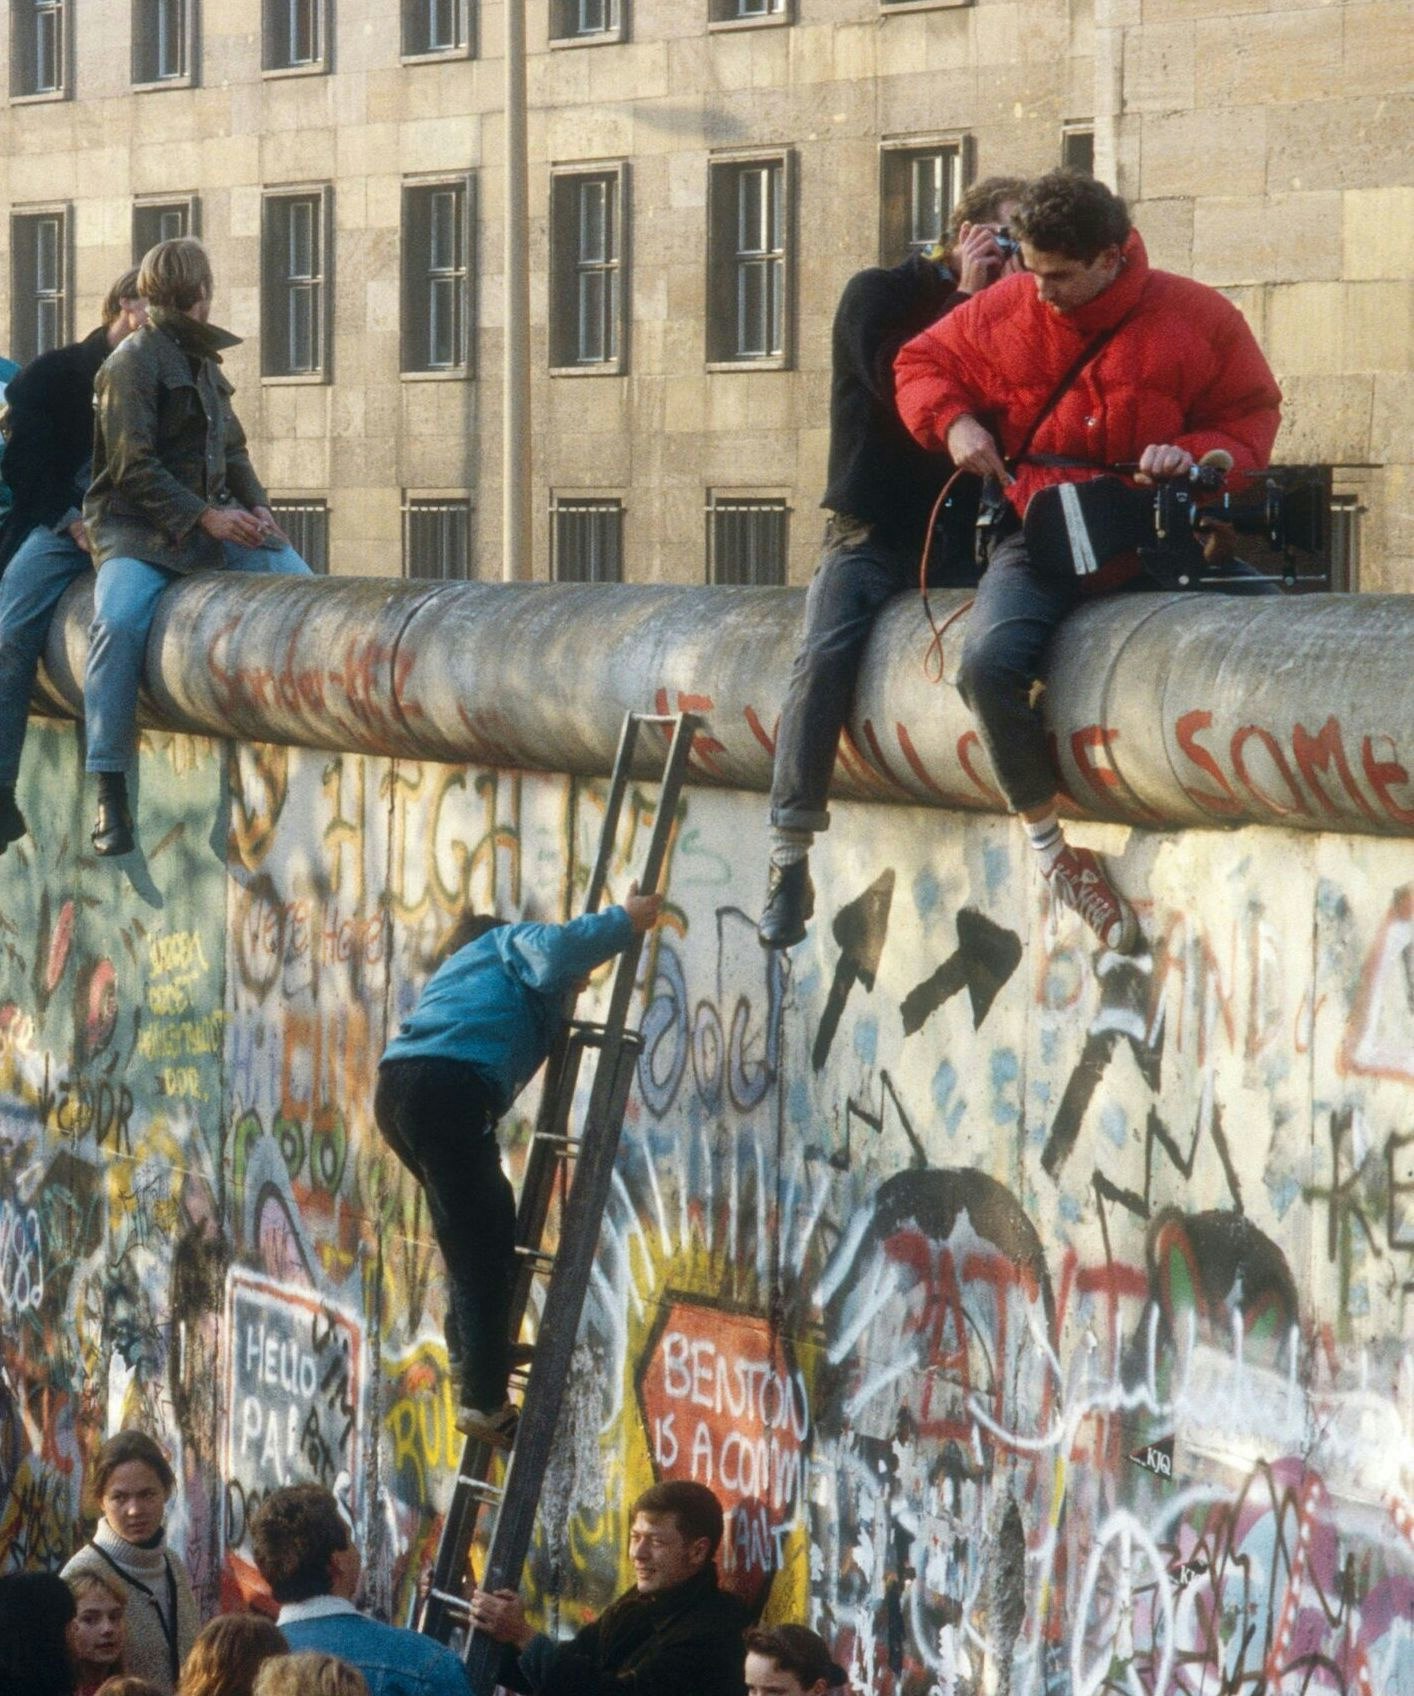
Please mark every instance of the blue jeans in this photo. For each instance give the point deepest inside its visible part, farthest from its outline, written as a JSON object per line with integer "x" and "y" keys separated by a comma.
{"x": 857, "y": 574}
{"x": 1014, "y": 616}
{"x": 124, "y": 603}
{"x": 43, "y": 567}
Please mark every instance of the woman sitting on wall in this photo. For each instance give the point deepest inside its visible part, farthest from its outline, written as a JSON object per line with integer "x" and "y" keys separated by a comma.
{"x": 132, "y": 1482}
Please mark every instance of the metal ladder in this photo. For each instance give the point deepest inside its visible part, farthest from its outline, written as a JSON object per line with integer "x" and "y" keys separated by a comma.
{"x": 445, "y": 1612}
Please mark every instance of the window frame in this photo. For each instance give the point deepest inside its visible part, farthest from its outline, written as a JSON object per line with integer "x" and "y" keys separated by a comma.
{"x": 416, "y": 501}
{"x": 572, "y": 502}
{"x": 289, "y": 505}
{"x": 724, "y": 500}
{"x": 286, "y": 194}
{"x": 190, "y": 203}
{"x": 560, "y": 35}
{"x": 897, "y": 156}
{"x": 322, "y": 62}
{"x": 724, "y": 268}
{"x": 61, "y": 89}
{"x": 565, "y": 266}
{"x": 187, "y": 77}
{"x": 903, "y": 6}
{"x": 26, "y": 347}
{"x": 412, "y": 187}
{"x": 1073, "y": 131}
{"x": 466, "y": 24}
{"x": 721, "y": 15}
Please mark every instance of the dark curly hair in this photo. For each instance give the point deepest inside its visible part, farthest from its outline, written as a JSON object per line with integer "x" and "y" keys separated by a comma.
{"x": 1068, "y": 213}
{"x": 296, "y": 1532}
{"x": 797, "y": 1650}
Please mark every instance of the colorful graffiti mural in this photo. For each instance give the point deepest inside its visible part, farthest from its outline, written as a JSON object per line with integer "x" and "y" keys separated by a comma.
{"x": 1043, "y": 1318}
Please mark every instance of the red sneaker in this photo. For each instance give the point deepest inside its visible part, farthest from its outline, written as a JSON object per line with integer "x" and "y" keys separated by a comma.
{"x": 1078, "y": 881}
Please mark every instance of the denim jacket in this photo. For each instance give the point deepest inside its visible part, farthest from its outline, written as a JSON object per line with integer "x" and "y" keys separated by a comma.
{"x": 394, "y": 1662}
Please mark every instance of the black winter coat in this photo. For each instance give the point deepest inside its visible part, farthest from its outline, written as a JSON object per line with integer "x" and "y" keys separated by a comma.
{"x": 877, "y": 472}
{"x": 681, "y": 1642}
{"x": 51, "y": 437}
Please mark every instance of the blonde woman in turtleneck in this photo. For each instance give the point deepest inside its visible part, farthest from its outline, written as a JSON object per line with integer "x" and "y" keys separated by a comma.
{"x": 132, "y": 1482}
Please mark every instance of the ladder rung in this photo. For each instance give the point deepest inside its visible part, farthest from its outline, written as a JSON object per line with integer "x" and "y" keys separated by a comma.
{"x": 559, "y": 1142}
{"x": 479, "y": 1487}
{"x": 542, "y": 1261}
{"x": 448, "y": 1599}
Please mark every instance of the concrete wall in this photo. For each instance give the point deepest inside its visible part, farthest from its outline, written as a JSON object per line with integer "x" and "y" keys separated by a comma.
{"x": 922, "y": 1241}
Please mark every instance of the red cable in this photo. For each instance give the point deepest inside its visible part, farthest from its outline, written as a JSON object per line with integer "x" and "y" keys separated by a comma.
{"x": 939, "y": 631}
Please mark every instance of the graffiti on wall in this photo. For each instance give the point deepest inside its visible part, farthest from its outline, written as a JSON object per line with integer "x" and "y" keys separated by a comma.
{"x": 1041, "y": 1317}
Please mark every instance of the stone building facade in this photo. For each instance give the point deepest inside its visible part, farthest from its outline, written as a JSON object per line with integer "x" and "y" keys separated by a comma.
{"x": 704, "y": 176}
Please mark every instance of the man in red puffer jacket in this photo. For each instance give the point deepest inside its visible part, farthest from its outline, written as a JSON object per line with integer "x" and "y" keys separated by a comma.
{"x": 1177, "y": 375}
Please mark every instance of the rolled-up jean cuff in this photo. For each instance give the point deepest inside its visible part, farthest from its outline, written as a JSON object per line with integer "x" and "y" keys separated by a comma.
{"x": 794, "y": 818}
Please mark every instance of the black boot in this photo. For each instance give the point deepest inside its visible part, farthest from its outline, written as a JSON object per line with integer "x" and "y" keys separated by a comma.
{"x": 790, "y": 901}
{"x": 12, "y": 820}
{"x": 113, "y": 828}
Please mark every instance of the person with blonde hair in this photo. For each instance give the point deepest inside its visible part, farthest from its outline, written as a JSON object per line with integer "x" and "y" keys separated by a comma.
{"x": 309, "y": 1674}
{"x": 229, "y": 1651}
{"x": 97, "y": 1630}
{"x": 173, "y": 493}
{"x": 131, "y": 1483}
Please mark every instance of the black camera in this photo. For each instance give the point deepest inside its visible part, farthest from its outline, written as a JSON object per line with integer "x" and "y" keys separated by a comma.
{"x": 1007, "y": 244}
{"x": 1074, "y": 530}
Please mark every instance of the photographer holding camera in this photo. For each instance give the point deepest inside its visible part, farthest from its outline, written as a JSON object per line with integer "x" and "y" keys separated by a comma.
{"x": 880, "y": 494}
{"x": 1089, "y": 364}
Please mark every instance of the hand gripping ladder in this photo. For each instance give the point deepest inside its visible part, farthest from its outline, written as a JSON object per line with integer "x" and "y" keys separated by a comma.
{"x": 553, "y": 1150}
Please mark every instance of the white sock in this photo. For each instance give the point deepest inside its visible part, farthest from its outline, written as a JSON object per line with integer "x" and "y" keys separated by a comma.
{"x": 789, "y": 846}
{"x": 1044, "y": 835}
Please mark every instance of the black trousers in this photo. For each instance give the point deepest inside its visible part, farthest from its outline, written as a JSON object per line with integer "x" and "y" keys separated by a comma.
{"x": 437, "y": 1117}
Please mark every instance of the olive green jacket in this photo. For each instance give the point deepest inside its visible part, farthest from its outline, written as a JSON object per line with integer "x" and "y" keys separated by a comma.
{"x": 167, "y": 444}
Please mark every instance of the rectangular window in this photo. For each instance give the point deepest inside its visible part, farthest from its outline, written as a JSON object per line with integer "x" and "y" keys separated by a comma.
{"x": 37, "y": 47}
{"x": 294, "y": 32}
{"x": 587, "y": 538}
{"x": 572, "y": 20}
{"x": 39, "y": 283}
{"x": 747, "y": 11}
{"x": 306, "y": 523}
{"x": 1078, "y": 148}
{"x": 295, "y": 293}
{"x": 748, "y": 260}
{"x": 435, "y": 26}
{"x": 746, "y": 538}
{"x": 436, "y": 319}
{"x": 436, "y": 537}
{"x": 163, "y": 220}
{"x": 586, "y": 261}
{"x": 918, "y": 188}
{"x": 163, "y": 36}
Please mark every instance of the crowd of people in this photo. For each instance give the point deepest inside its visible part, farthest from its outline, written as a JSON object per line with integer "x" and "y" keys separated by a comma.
{"x": 121, "y": 1618}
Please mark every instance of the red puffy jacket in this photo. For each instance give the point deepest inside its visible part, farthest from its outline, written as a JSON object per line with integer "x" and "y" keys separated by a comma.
{"x": 1183, "y": 368}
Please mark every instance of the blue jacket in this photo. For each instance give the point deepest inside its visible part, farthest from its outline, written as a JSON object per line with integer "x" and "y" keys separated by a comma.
{"x": 394, "y": 1662}
{"x": 496, "y": 1003}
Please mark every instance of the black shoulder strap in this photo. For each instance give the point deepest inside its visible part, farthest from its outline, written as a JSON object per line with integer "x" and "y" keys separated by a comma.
{"x": 1090, "y": 351}
{"x": 167, "y": 1625}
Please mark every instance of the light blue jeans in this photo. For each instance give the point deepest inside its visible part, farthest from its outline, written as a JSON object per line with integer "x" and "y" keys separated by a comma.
{"x": 124, "y": 603}
{"x": 43, "y": 567}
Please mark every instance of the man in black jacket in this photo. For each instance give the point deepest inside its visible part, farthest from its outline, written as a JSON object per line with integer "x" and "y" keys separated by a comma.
{"x": 675, "y": 1633}
{"x": 43, "y": 547}
{"x": 880, "y": 494}
{"x": 173, "y": 492}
